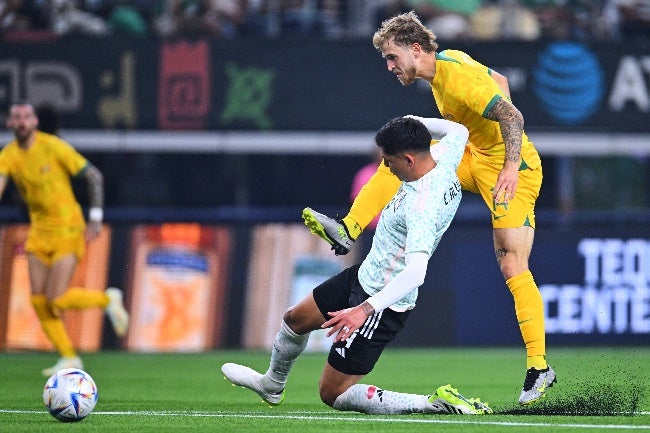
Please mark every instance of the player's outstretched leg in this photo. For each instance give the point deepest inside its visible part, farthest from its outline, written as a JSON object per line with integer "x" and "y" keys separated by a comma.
{"x": 536, "y": 384}
{"x": 240, "y": 375}
{"x": 330, "y": 229}
{"x": 446, "y": 400}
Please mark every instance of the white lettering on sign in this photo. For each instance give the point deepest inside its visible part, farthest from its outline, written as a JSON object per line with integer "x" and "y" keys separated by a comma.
{"x": 630, "y": 85}
{"x": 42, "y": 82}
{"x": 615, "y": 297}
{"x": 54, "y": 83}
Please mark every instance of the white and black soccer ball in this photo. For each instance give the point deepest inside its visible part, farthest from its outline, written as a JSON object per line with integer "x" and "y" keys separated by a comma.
{"x": 70, "y": 395}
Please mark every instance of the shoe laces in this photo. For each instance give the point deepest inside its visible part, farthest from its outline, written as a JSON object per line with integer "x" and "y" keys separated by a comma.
{"x": 532, "y": 374}
{"x": 339, "y": 249}
{"x": 480, "y": 406}
{"x": 454, "y": 392}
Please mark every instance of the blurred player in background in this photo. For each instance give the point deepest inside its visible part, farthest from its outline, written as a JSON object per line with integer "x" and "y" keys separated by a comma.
{"x": 41, "y": 165}
{"x": 499, "y": 163}
{"x": 366, "y": 305}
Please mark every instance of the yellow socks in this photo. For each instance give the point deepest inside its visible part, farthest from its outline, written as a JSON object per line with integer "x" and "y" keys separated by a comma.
{"x": 372, "y": 198}
{"x": 53, "y": 326}
{"x": 73, "y": 298}
{"x": 529, "y": 308}
{"x": 354, "y": 229}
{"x": 78, "y": 298}
{"x": 538, "y": 362}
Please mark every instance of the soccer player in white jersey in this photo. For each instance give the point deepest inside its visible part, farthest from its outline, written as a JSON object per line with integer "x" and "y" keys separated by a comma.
{"x": 366, "y": 305}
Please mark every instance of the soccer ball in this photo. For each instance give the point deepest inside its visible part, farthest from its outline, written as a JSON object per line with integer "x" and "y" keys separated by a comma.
{"x": 70, "y": 395}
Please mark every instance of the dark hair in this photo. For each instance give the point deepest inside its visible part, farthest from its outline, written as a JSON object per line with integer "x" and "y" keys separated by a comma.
{"x": 403, "y": 134}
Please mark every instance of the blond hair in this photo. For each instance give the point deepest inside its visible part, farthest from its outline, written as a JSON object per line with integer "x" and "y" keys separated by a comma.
{"x": 405, "y": 29}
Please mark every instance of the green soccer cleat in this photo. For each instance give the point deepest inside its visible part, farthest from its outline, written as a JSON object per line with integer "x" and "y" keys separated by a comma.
{"x": 333, "y": 231}
{"x": 240, "y": 375}
{"x": 447, "y": 400}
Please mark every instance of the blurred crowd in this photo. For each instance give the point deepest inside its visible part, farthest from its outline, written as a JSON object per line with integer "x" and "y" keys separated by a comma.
{"x": 450, "y": 19}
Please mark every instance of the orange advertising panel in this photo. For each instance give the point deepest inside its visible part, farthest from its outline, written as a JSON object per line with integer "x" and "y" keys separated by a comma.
{"x": 20, "y": 326}
{"x": 177, "y": 287}
{"x": 286, "y": 263}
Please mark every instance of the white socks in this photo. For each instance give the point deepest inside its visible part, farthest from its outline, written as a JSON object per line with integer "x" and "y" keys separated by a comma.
{"x": 372, "y": 400}
{"x": 287, "y": 347}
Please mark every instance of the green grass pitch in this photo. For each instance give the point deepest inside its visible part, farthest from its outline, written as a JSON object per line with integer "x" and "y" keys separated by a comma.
{"x": 598, "y": 390}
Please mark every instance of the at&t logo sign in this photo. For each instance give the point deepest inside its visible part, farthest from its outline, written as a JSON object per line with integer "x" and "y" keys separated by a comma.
{"x": 569, "y": 82}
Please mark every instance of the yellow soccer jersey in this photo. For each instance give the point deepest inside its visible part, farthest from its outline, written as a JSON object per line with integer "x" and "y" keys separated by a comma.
{"x": 42, "y": 175}
{"x": 464, "y": 91}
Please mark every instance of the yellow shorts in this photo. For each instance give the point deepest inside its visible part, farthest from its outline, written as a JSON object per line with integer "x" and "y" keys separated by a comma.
{"x": 478, "y": 175}
{"x": 50, "y": 246}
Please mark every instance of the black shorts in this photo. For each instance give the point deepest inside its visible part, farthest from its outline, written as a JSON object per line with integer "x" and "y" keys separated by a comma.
{"x": 361, "y": 351}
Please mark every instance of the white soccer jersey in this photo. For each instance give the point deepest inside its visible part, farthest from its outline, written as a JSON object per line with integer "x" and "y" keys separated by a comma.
{"x": 414, "y": 221}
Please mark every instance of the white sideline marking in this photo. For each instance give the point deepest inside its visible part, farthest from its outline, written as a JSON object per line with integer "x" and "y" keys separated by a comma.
{"x": 405, "y": 420}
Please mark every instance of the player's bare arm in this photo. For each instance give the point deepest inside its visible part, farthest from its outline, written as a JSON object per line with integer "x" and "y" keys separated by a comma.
{"x": 3, "y": 184}
{"x": 502, "y": 81}
{"x": 512, "y": 127}
{"x": 95, "y": 181}
{"x": 367, "y": 308}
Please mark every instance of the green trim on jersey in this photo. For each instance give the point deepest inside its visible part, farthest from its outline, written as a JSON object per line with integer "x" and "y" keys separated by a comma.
{"x": 491, "y": 104}
{"x": 443, "y": 56}
{"x": 82, "y": 169}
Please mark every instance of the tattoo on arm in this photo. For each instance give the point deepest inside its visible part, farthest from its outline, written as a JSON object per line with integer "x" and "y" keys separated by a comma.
{"x": 95, "y": 186}
{"x": 512, "y": 127}
{"x": 367, "y": 308}
{"x": 500, "y": 252}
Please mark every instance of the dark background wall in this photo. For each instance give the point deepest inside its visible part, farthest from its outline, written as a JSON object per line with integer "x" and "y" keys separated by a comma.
{"x": 129, "y": 86}
{"x": 310, "y": 84}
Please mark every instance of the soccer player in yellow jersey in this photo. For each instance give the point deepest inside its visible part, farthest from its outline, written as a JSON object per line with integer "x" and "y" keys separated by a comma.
{"x": 41, "y": 165}
{"x": 500, "y": 164}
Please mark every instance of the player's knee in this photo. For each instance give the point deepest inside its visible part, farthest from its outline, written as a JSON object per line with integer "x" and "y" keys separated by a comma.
{"x": 327, "y": 398}
{"x": 507, "y": 268}
{"x": 38, "y": 301}
{"x": 289, "y": 317}
{"x": 328, "y": 394}
{"x": 294, "y": 321}
{"x": 511, "y": 267}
